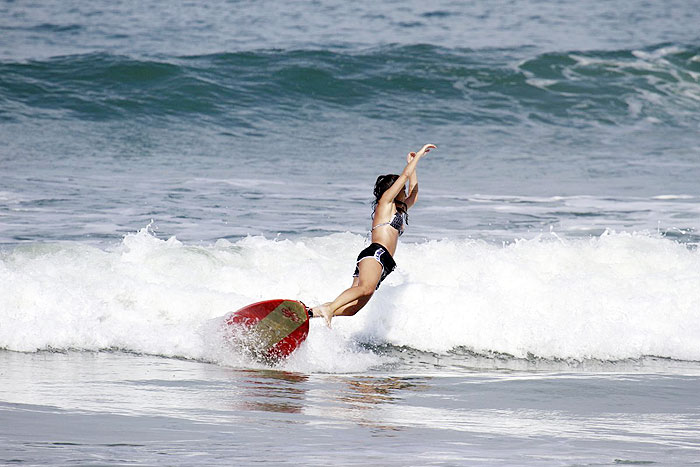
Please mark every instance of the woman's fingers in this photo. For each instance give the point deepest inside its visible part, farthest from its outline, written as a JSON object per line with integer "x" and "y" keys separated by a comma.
{"x": 426, "y": 149}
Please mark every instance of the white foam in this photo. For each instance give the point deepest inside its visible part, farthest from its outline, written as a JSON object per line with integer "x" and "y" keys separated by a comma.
{"x": 657, "y": 54}
{"x": 616, "y": 296}
{"x": 541, "y": 83}
{"x": 673, "y": 197}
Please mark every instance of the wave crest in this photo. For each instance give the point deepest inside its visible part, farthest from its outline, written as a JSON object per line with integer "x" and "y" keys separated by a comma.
{"x": 614, "y": 297}
{"x": 659, "y": 84}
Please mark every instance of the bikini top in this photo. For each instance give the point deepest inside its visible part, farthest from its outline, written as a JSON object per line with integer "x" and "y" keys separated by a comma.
{"x": 397, "y": 222}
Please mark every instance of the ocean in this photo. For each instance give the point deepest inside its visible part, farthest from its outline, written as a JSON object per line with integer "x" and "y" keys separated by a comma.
{"x": 164, "y": 163}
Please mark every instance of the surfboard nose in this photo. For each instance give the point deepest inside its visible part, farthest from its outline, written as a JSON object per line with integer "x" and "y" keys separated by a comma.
{"x": 270, "y": 330}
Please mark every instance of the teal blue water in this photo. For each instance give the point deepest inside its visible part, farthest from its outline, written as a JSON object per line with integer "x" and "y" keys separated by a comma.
{"x": 163, "y": 163}
{"x": 113, "y": 116}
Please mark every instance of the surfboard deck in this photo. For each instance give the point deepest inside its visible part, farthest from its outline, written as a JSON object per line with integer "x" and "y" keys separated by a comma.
{"x": 269, "y": 330}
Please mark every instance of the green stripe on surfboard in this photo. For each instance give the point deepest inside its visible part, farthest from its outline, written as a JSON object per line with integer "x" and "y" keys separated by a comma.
{"x": 280, "y": 322}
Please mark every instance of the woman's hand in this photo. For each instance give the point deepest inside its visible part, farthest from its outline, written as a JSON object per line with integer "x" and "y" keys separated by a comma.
{"x": 425, "y": 150}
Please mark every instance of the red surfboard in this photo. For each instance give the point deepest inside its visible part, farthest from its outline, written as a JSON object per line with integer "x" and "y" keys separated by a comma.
{"x": 269, "y": 330}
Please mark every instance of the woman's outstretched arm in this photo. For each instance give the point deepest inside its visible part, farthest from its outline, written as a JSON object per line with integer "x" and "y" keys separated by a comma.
{"x": 408, "y": 172}
{"x": 412, "y": 184}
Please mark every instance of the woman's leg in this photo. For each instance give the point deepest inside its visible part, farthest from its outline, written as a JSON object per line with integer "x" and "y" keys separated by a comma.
{"x": 351, "y": 300}
{"x": 353, "y": 307}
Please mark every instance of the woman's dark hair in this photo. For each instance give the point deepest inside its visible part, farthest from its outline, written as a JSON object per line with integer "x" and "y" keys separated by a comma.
{"x": 382, "y": 184}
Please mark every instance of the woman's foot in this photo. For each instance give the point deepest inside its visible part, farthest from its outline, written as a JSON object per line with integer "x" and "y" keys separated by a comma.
{"x": 323, "y": 311}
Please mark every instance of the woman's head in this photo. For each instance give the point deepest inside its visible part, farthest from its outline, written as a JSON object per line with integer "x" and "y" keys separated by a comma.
{"x": 383, "y": 183}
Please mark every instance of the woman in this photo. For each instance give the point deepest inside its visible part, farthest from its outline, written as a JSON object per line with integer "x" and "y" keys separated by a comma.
{"x": 376, "y": 261}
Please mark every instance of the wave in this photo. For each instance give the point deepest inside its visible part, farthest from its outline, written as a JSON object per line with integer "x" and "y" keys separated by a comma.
{"x": 614, "y": 297}
{"x": 659, "y": 84}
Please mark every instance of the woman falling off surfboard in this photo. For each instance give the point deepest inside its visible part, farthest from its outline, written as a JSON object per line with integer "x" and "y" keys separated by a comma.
{"x": 389, "y": 220}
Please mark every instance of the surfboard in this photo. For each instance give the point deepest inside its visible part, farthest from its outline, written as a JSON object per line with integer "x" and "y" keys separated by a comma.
{"x": 269, "y": 330}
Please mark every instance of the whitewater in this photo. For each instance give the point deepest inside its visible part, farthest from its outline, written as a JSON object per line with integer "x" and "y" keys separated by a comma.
{"x": 613, "y": 297}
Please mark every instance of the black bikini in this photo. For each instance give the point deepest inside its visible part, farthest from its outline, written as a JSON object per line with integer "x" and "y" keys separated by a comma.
{"x": 397, "y": 222}
{"x": 379, "y": 252}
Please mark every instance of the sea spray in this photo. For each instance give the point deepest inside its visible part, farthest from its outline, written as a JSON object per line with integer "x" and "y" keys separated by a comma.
{"x": 617, "y": 296}
{"x": 612, "y": 297}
